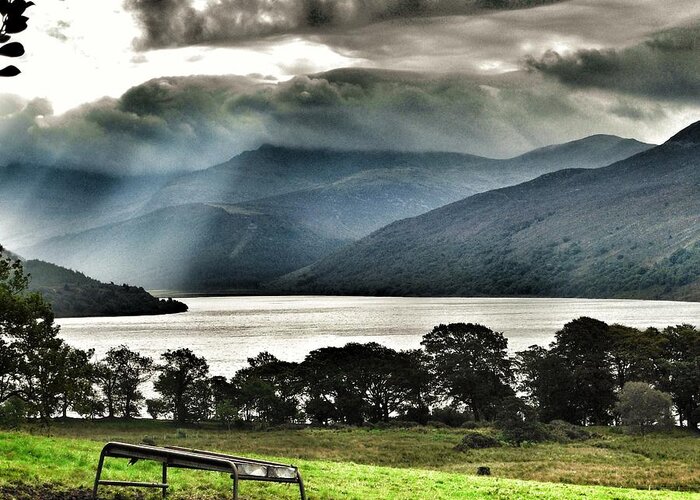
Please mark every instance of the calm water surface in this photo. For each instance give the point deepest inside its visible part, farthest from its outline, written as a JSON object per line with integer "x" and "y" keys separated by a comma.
{"x": 228, "y": 330}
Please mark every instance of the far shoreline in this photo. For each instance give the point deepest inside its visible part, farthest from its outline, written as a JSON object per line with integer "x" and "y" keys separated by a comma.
{"x": 178, "y": 294}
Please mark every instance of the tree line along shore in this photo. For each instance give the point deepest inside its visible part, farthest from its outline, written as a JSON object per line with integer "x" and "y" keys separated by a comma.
{"x": 592, "y": 374}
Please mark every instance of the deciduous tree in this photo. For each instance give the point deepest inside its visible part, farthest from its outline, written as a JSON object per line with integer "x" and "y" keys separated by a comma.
{"x": 120, "y": 376}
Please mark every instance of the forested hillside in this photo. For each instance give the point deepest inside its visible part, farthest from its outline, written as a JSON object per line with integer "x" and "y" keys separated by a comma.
{"x": 72, "y": 294}
{"x": 627, "y": 230}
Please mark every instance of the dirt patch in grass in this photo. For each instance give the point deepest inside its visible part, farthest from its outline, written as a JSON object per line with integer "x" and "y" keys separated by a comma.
{"x": 55, "y": 492}
{"x": 42, "y": 492}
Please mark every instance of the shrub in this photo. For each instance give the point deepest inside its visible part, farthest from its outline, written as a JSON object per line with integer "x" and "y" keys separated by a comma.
{"x": 477, "y": 441}
{"x": 642, "y": 407}
{"x": 13, "y": 413}
{"x": 397, "y": 424}
{"x": 518, "y": 422}
{"x": 564, "y": 431}
{"x": 377, "y": 425}
{"x": 403, "y": 424}
{"x": 149, "y": 440}
{"x": 526, "y": 432}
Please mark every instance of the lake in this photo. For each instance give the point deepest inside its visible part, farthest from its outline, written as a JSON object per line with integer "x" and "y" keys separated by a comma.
{"x": 228, "y": 330}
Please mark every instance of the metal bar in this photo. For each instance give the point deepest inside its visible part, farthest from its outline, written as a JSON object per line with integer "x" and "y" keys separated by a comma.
{"x": 224, "y": 455}
{"x": 235, "y": 480}
{"x": 165, "y": 479}
{"x": 242, "y": 477}
{"x": 191, "y": 463}
{"x": 99, "y": 473}
{"x": 110, "y": 482}
{"x": 302, "y": 491}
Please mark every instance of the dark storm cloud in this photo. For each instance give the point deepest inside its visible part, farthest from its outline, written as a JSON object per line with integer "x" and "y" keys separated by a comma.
{"x": 493, "y": 116}
{"x": 667, "y": 66}
{"x": 193, "y": 122}
{"x": 169, "y": 23}
{"x": 163, "y": 124}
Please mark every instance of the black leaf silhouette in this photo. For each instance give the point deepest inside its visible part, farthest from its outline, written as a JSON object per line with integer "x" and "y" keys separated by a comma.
{"x": 14, "y": 8}
{"x": 12, "y": 22}
{"x": 14, "y": 49}
{"x": 18, "y": 7}
{"x": 10, "y": 71}
{"x": 15, "y": 24}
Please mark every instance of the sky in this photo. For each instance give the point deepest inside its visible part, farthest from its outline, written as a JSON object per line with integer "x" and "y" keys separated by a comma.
{"x": 140, "y": 86}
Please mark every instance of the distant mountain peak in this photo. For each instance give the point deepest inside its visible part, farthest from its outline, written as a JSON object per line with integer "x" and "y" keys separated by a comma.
{"x": 592, "y": 151}
{"x": 688, "y": 136}
{"x": 609, "y": 139}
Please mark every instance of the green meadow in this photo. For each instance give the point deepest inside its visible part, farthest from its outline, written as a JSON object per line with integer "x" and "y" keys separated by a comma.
{"x": 363, "y": 463}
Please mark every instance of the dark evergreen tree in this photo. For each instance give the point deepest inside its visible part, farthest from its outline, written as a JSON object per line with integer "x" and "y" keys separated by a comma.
{"x": 546, "y": 381}
{"x": 361, "y": 382}
{"x": 417, "y": 384}
{"x": 267, "y": 390}
{"x": 584, "y": 345}
{"x": 636, "y": 354}
{"x": 183, "y": 384}
{"x": 575, "y": 380}
{"x": 470, "y": 366}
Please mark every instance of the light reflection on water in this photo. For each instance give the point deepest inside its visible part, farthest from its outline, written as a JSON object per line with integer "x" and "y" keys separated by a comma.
{"x": 228, "y": 330}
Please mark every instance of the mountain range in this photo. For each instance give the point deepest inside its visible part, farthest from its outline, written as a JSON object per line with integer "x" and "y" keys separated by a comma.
{"x": 631, "y": 229}
{"x": 268, "y": 212}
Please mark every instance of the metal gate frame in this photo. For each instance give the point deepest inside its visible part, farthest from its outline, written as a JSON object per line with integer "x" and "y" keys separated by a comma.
{"x": 240, "y": 468}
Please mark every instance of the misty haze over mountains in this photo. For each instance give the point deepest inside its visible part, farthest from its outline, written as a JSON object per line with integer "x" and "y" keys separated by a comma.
{"x": 38, "y": 202}
{"x": 259, "y": 216}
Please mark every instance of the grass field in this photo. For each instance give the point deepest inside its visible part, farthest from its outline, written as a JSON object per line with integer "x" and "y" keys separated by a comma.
{"x": 365, "y": 463}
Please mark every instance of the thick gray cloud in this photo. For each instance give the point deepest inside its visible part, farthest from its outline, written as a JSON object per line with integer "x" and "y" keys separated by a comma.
{"x": 193, "y": 122}
{"x": 163, "y": 124}
{"x": 498, "y": 41}
{"x": 168, "y": 23}
{"x": 667, "y": 67}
